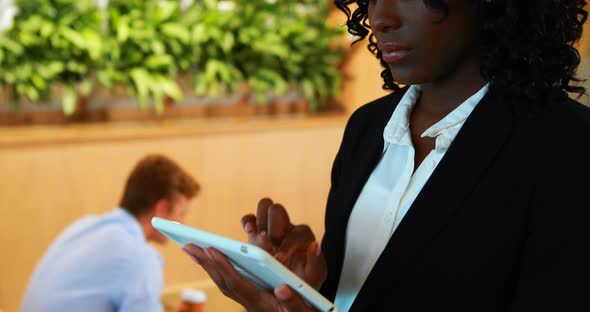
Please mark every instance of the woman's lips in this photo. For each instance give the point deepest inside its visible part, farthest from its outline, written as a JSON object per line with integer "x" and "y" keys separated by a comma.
{"x": 393, "y": 52}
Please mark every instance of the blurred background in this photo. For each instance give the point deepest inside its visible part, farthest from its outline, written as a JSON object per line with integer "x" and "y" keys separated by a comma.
{"x": 251, "y": 97}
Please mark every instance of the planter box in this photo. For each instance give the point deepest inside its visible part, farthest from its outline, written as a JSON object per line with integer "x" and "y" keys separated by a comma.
{"x": 46, "y": 113}
{"x": 118, "y": 105}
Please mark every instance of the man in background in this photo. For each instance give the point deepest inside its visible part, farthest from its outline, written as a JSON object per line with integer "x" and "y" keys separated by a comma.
{"x": 105, "y": 263}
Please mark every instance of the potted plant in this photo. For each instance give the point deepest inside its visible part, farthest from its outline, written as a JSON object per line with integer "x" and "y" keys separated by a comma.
{"x": 297, "y": 52}
{"x": 147, "y": 45}
{"x": 177, "y": 57}
{"x": 217, "y": 82}
{"x": 40, "y": 81}
{"x": 283, "y": 52}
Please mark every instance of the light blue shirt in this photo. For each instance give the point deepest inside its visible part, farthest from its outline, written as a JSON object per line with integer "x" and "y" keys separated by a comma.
{"x": 98, "y": 264}
{"x": 391, "y": 189}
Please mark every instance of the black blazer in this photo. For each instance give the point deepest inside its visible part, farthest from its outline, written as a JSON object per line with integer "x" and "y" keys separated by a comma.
{"x": 503, "y": 224}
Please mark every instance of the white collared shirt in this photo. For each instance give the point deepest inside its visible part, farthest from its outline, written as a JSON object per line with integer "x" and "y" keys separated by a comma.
{"x": 98, "y": 264}
{"x": 392, "y": 188}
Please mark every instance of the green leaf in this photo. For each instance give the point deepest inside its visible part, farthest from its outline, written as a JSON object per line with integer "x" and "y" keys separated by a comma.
{"x": 104, "y": 78}
{"x": 93, "y": 42}
{"x": 38, "y": 81}
{"x": 30, "y": 92}
{"x": 85, "y": 87}
{"x": 142, "y": 100}
{"x": 69, "y": 101}
{"x": 159, "y": 61}
{"x": 214, "y": 90}
{"x": 11, "y": 45}
{"x": 228, "y": 42}
{"x": 51, "y": 69}
{"x": 159, "y": 101}
{"x": 170, "y": 88}
{"x": 158, "y": 47}
{"x": 122, "y": 29}
{"x": 167, "y": 9}
{"x": 308, "y": 89}
{"x": 201, "y": 88}
{"x": 176, "y": 31}
{"x": 74, "y": 37}
{"x": 199, "y": 34}
{"x": 47, "y": 30}
{"x": 142, "y": 83}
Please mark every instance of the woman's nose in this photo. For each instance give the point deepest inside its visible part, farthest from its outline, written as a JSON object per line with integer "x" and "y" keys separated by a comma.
{"x": 383, "y": 15}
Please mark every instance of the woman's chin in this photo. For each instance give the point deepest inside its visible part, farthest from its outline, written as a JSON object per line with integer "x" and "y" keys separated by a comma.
{"x": 405, "y": 76}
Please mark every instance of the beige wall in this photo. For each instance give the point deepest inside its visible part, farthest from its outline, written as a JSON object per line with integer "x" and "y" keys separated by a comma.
{"x": 44, "y": 187}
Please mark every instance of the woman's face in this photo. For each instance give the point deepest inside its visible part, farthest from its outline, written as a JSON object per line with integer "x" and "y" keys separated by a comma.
{"x": 419, "y": 44}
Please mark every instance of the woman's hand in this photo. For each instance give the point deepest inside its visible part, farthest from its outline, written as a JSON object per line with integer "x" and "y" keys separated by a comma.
{"x": 294, "y": 246}
{"x": 236, "y": 287}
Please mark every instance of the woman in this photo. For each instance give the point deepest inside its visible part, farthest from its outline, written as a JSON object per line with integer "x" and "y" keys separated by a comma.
{"x": 466, "y": 190}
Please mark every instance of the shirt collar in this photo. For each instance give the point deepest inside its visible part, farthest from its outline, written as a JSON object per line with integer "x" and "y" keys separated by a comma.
{"x": 399, "y": 122}
{"x": 458, "y": 115}
{"x": 396, "y": 130}
{"x": 130, "y": 222}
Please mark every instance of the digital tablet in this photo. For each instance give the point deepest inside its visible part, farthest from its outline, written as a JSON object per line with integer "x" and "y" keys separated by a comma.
{"x": 252, "y": 262}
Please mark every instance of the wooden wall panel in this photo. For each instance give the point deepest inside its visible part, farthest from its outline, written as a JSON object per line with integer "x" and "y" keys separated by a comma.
{"x": 45, "y": 188}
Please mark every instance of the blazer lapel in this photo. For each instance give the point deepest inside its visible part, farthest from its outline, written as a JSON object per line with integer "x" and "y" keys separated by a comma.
{"x": 361, "y": 160}
{"x": 471, "y": 153}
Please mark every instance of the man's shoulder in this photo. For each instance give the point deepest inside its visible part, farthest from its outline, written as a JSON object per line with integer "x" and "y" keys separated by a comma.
{"x": 129, "y": 246}
{"x": 108, "y": 237}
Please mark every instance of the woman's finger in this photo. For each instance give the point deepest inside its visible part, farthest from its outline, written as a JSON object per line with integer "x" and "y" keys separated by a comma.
{"x": 241, "y": 289}
{"x": 298, "y": 239}
{"x": 290, "y": 300}
{"x": 264, "y": 242}
{"x": 254, "y": 236}
{"x": 279, "y": 224}
{"x": 262, "y": 214}
{"x": 233, "y": 279}
{"x": 316, "y": 268}
{"x": 203, "y": 258}
{"x": 249, "y": 224}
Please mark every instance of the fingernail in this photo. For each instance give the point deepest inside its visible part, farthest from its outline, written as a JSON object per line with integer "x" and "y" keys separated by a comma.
{"x": 191, "y": 256}
{"x": 283, "y": 293}
{"x": 249, "y": 227}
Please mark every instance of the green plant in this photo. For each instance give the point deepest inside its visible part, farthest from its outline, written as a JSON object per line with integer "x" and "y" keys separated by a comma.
{"x": 52, "y": 43}
{"x": 275, "y": 47}
{"x": 317, "y": 52}
{"x": 272, "y": 47}
{"x": 214, "y": 30}
{"x": 148, "y": 43}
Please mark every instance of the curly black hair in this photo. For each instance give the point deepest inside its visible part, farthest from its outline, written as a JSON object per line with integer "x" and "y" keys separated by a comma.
{"x": 527, "y": 47}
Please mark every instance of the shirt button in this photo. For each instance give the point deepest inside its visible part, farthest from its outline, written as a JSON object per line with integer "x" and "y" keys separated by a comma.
{"x": 433, "y": 163}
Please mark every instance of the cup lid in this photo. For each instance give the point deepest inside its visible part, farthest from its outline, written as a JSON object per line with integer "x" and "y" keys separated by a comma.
{"x": 193, "y": 296}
